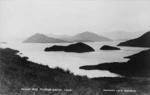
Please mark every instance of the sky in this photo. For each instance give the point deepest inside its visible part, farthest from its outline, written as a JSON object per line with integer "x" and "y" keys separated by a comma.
{"x": 22, "y": 18}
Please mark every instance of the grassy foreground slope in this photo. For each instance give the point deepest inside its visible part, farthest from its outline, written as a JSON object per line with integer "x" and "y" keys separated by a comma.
{"x": 17, "y": 72}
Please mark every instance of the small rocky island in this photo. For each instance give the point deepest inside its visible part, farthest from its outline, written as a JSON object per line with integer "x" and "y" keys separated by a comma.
{"x": 77, "y": 47}
{"x": 107, "y": 47}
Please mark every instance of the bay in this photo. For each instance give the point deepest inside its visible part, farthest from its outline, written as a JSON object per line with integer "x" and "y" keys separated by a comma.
{"x": 72, "y": 61}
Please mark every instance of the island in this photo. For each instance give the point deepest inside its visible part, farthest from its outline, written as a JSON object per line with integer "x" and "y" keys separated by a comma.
{"x": 77, "y": 48}
{"x": 107, "y": 47}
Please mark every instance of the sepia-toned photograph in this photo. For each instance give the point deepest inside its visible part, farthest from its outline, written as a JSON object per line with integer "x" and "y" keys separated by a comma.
{"x": 74, "y": 47}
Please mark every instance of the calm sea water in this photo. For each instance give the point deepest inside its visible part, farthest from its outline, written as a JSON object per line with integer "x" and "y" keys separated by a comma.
{"x": 73, "y": 61}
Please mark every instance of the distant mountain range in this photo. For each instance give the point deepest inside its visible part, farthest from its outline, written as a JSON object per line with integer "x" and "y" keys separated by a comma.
{"x": 142, "y": 41}
{"x": 82, "y": 37}
{"x": 123, "y": 35}
{"x": 3, "y": 42}
{"x": 87, "y": 37}
{"x": 41, "y": 38}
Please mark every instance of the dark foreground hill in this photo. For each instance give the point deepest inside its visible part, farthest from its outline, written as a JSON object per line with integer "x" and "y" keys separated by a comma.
{"x": 77, "y": 47}
{"x": 142, "y": 41}
{"x": 137, "y": 66}
{"x": 18, "y": 76}
{"x": 41, "y": 38}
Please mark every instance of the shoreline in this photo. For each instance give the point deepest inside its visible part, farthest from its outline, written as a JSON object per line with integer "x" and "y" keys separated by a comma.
{"x": 21, "y": 73}
{"x": 73, "y": 61}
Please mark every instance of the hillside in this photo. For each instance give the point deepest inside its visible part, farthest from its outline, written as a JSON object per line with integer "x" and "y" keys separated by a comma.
{"x": 17, "y": 73}
{"x": 122, "y": 35}
{"x": 91, "y": 36}
{"x": 40, "y": 38}
{"x": 83, "y": 37}
{"x": 142, "y": 41}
